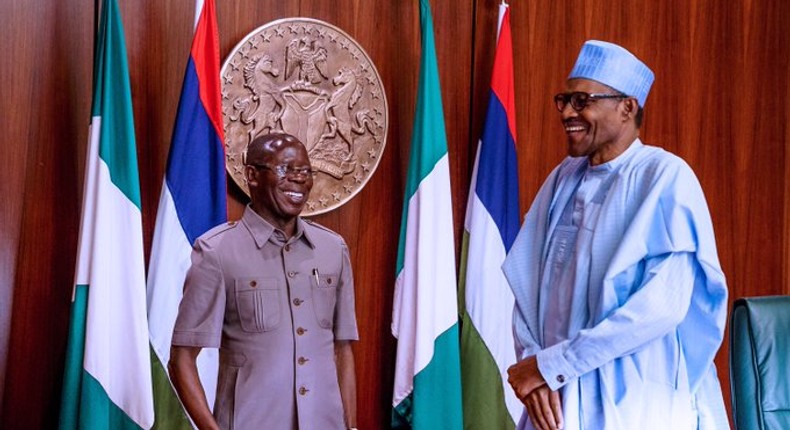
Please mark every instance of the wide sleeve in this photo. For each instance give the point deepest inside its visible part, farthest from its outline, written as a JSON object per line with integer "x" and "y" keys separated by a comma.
{"x": 657, "y": 307}
{"x": 522, "y": 271}
{"x": 521, "y": 268}
{"x": 524, "y": 261}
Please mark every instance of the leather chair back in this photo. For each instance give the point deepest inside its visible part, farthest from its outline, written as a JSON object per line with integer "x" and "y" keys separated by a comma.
{"x": 760, "y": 363}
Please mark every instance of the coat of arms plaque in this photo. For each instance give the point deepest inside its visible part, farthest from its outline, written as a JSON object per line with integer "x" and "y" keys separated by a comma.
{"x": 312, "y": 80}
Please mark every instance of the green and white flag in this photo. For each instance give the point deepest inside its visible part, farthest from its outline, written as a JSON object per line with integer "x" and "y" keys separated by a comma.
{"x": 427, "y": 392}
{"x": 107, "y": 379}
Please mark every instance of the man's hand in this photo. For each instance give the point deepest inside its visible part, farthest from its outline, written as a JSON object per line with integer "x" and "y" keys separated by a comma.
{"x": 543, "y": 405}
{"x": 346, "y": 378}
{"x": 544, "y": 408}
{"x": 524, "y": 377}
{"x": 184, "y": 374}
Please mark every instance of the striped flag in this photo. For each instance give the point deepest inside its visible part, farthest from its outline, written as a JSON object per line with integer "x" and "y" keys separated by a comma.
{"x": 107, "y": 379}
{"x": 492, "y": 222}
{"x": 193, "y": 200}
{"x": 427, "y": 392}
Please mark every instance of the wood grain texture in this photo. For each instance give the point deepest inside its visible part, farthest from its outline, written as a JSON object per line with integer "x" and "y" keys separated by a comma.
{"x": 48, "y": 109}
{"x": 720, "y": 101}
{"x": 12, "y": 170}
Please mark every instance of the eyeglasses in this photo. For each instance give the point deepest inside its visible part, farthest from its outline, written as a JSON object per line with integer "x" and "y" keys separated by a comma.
{"x": 579, "y": 100}
{"x": 285, "y": 171}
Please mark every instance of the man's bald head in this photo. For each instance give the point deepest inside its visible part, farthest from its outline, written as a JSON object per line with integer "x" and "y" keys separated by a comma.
{"x": 263, "y": 147}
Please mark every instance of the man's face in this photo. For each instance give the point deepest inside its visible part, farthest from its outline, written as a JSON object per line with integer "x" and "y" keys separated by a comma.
{"x": 280, "y": 199}
{"x": 598, "y": 125}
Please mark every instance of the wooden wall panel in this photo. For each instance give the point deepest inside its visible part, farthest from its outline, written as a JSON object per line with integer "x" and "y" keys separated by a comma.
{"x": 47, "y": 109}
{"x": 720, "y": 101}
{"x": 12, "y": 173}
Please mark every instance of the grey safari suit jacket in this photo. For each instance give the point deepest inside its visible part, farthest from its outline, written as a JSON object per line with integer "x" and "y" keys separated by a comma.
{"x": 274, "y": 309}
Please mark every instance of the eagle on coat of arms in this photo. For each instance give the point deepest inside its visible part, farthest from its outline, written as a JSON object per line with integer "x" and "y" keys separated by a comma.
{"x": 303, "y": 56}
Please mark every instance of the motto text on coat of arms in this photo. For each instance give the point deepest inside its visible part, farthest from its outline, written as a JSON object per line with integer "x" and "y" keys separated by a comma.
{"x": 309, "y": 79}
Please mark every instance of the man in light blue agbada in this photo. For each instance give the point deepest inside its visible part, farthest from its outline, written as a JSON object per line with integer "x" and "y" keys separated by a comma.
{"x": 620, "y": 298}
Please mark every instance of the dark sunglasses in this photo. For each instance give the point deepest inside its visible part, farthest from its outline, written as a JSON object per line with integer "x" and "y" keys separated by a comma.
{"x": 579, "y": 100}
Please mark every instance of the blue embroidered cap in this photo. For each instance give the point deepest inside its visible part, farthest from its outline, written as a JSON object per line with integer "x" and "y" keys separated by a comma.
{"x": 614, "y": 66}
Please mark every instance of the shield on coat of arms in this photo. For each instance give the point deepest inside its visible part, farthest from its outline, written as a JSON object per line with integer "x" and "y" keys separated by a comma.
{"x": 304, "y": 113}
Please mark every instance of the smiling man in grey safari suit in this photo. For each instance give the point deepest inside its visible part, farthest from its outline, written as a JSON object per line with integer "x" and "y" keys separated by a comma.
{"x": 275, "y": 294}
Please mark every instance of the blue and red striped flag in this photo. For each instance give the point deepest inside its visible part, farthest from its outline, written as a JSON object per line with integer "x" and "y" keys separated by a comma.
{"x": 193, "y": 200}
{"x": 492, "y": 222}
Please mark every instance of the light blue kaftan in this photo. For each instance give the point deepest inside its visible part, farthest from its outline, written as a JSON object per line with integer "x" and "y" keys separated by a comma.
{"x": 620, "y": 294}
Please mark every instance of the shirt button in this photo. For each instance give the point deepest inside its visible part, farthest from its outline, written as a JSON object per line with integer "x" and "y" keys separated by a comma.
{"x": 303, "y": 391}
{"x": 297, "y": 301}
{"x": 302, "y": 360}
{"x": 253, "y": 284}
{"x": 291, "y": 274}
{"x": 287, "y": 248}
{"x": 300, "y": 331}
{"x": 560, "y": 378}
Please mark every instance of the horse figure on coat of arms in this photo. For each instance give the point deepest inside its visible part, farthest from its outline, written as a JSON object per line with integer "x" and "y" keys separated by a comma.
{"x": 264, "y": 107}
{"x": 339, "y": 109}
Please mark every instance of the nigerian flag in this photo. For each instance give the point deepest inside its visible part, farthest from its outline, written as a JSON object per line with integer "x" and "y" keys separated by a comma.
{"x": 427, "y": 391}
{"x": 107, "y": 377}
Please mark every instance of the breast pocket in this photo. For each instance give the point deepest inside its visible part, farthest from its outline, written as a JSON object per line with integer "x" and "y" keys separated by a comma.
{"x": 258, "y": 304}
{"x": 324, "y": 299}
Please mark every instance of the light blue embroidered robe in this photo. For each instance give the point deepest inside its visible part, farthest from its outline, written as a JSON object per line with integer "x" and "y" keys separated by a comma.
{"x": 656, "y": 299}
